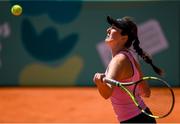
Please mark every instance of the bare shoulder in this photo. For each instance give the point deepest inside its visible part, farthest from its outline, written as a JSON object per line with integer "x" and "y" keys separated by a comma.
{"x": 117, "y": 66}
{"x": 119, "y": 58}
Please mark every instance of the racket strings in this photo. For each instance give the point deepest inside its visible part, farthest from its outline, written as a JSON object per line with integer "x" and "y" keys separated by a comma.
{"x": 160, "y": 101}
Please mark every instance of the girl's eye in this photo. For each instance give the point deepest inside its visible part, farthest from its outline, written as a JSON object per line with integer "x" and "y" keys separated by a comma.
{"x": 113, "y": 27}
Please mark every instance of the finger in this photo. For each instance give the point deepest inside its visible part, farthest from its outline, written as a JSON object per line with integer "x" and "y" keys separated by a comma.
{"x": 96, "y": 76}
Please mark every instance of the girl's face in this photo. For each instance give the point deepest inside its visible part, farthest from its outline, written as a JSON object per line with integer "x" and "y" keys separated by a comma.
{"x": 114, "y": 37}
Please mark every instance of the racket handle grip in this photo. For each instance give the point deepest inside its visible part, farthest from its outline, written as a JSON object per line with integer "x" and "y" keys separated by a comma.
{"x": 111, "y": 81}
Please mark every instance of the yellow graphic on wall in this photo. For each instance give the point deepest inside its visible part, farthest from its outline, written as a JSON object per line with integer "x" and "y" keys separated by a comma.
{"x": 65, "y": 74}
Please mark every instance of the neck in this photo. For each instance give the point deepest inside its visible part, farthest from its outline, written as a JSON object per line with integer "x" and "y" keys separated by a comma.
{"x": 115, "y": 51}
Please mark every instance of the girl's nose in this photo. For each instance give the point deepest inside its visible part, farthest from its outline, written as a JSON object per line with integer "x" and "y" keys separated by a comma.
{"x": 108, "y": 30}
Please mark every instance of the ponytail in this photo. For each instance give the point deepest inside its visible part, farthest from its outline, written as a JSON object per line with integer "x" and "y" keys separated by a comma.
{"x": 145, "y": 57}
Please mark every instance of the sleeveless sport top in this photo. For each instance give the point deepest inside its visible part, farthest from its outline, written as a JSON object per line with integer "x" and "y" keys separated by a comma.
{"x": 122, "y": 104}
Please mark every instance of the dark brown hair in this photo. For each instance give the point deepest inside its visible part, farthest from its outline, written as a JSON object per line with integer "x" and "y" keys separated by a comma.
{"x": 129, "y": 28}
{"x": 133, "y": 39}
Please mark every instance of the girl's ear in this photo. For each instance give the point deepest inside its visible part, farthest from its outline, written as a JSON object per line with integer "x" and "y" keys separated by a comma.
{"x": 125, "y": 38}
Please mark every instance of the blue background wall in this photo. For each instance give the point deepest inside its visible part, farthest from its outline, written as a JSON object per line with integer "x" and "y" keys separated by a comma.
{"x": 54, "y": 43}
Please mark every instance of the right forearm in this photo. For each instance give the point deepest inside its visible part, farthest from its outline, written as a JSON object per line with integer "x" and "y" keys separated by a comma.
{"x": 104, "y": 90}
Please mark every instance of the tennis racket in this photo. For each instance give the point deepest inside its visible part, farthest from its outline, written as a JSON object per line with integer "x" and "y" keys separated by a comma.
{"x": 161, "y": 101}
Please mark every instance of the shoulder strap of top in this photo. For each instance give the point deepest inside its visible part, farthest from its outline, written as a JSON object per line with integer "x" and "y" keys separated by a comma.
{"x": 131, "y": 58}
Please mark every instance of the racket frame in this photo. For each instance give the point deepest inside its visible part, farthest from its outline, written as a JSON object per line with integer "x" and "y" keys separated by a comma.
{"x": 123, "y": 85}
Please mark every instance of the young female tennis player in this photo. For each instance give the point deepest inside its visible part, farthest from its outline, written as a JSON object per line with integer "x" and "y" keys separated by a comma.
{"x": 120, "y": 36}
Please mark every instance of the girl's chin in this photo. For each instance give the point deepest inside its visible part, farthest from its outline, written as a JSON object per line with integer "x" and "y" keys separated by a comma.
{"x": 108, "y": 40}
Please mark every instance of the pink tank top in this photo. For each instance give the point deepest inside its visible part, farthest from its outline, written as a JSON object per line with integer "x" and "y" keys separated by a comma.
{"x": 121, "y": 102}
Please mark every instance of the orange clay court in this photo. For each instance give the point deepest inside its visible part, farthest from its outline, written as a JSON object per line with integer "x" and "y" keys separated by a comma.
{"x": 62, "y": 105}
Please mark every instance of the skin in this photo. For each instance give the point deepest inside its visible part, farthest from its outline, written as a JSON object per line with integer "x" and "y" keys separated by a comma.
{"x": 120, "y": 67}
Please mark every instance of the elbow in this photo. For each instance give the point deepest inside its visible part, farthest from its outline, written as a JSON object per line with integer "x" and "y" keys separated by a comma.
{"x": 106, "y": 96}
{"x": 146, "y": 94}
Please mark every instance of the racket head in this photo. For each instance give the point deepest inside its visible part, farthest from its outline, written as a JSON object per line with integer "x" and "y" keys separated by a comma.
{"x": 161, "y": 100}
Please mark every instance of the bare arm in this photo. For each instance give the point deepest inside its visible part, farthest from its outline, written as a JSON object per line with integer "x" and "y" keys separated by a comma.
{"x": 104, "y": 89}
{"x": 114, "y": 72}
